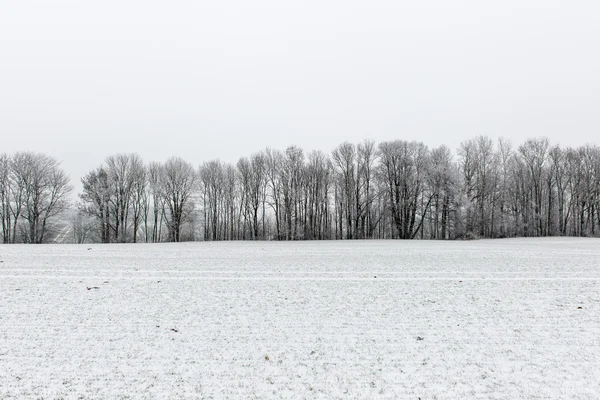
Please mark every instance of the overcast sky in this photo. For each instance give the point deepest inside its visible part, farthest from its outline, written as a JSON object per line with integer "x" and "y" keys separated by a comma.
{"x": 81, "y": 80}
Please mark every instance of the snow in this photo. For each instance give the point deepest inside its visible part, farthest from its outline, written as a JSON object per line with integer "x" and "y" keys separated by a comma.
{"x": 503, "y": 319}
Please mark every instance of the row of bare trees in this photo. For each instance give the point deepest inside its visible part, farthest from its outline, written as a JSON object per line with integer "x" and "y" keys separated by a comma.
{"x": 34, "y": 193}
{"x": 394, "y": 189}
{"x": 533, "y": 190}
{"x": 130, "y": 201}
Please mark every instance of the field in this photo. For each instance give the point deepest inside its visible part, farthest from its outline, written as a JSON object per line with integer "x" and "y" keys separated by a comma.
{"x": 503, "y": 319}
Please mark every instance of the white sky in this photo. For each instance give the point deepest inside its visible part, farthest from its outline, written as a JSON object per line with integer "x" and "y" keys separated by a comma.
{"x": 81, "y": 80}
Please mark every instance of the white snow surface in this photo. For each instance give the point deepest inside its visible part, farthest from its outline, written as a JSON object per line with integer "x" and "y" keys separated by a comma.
{"x": 489, "y": 319}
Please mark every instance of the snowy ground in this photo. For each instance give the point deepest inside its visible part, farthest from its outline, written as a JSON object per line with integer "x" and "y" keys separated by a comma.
{"x": 500, "y": 319}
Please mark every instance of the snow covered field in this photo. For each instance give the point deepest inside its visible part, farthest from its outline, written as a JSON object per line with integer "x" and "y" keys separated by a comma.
{"x": 504, "y": 319}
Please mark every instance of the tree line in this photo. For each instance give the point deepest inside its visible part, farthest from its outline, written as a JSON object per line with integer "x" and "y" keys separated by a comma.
{"x": 391, "y": 190}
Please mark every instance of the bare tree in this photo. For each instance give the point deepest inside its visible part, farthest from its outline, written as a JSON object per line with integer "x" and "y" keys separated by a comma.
{"x": 45, "y": 188}
{"x": 344, "y": 158}
{"x": 95, "y": 201}
{"x": 274, "y": 160}
{"x": 533, "y": 153}
{"x": 442, "y": 183}
{"x": 139, "y": 193}
{"x": 154, "y": 213}
{"x": 367, "y": 155}
{"x": 404, "y": 168}
{"x": 318, "y": 179}
{"x": 290, "y": 179}
{"x": 504, "y": 157}
{"x": 468, "y": 166}
{"x": 6, "y": 192}
{"x": 82, "y": 227}
{"x": 253, "y": 173}
{"x": 178, "y": 183}
{"x": 123, "y": 171}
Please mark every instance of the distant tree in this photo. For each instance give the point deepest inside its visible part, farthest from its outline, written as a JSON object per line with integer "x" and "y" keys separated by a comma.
{"x": 7, "y": 212}
{"x": 154, "y": 211}
{"x": 124, "y": 172}
{"x": 557, "y": 164}
{"x": 404, "y": 168}
{"x": 318, "y": 180}
{"x": 219, "y": 193}
{"x": 274, "y": 164}
{"x": 344, "y": 159}
{"x": 253, "y": 179}
{"x": 12, "y": 193}
{"x": 533, "y": 154}
{"x": 442, "y": 182}
{"x": 95, "y": 201}
{"x": 82, "y": 227}
{"x": 366, "y": 223}
{"x": 139, "y": 194}
{"x": 505, "y": 156}
{"x": 467, "y": 153}
{"x": 178, "y": 183}
{"x": 291, "y": 181}
{"x": 44, "y": 187}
